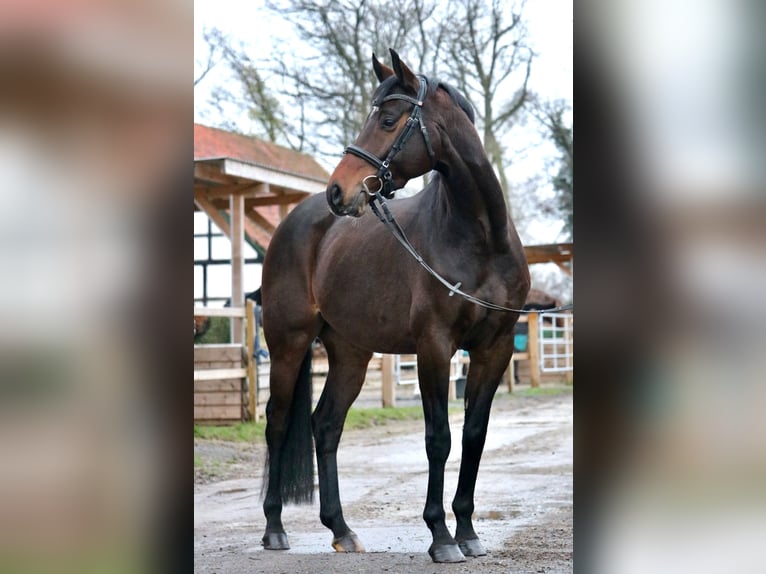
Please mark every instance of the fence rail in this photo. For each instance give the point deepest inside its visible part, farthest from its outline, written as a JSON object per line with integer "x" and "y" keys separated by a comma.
{"x": 220, "y": 311}
{"x": 549, "y": 350}
{"x": 247, "y": 374}
{"x": 556, "y": 353}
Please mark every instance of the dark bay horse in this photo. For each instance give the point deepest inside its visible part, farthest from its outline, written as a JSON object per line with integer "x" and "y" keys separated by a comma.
{"x": 348, "y": 282}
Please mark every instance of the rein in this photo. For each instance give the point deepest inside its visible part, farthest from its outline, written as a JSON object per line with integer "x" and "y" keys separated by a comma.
{"x": 385, "y": 190}
{"x": 396, "y": 230}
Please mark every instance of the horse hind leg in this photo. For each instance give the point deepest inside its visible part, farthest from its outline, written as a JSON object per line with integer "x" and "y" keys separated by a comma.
{"x": 347, "y": 370}
{"x": 484, "y": 375}
{"x": 289, "y": 471}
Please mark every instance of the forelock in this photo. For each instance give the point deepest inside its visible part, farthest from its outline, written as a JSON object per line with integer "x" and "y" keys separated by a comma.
{"x": 384, "y": 88}
{"x": 388, "y": 84}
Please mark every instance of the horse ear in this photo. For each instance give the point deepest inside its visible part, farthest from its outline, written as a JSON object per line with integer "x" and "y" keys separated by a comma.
{"x": 403, "y": 73}
{"x": 381, "y": 70}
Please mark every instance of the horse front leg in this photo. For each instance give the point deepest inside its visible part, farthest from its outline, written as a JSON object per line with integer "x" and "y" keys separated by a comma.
{"x": 433, "y": 378}
{"x": 484, "y": 375}
{"x": 348, "y": 367}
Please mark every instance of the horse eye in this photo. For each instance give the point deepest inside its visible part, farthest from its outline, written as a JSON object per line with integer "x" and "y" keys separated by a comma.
{"x": 388, "y": 122}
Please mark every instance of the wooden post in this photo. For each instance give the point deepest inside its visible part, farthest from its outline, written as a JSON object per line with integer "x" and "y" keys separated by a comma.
{"x": 252, "y": 369}
{"x": 452, "y": 389}
{"x": 283, "y": 211}
{"x": 511, "y": 373}
{"x": 533, "y": 345}
{"x": 387, "y": 379}
{"x": 569, "y": 336}
{"x": 237, "y": 209}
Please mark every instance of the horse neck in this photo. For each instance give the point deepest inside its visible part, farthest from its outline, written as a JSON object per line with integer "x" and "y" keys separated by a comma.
{"x": 472, "y": 190}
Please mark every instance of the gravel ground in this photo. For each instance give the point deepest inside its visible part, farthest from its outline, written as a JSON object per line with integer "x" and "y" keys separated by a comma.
{"x": 523, "y": 499}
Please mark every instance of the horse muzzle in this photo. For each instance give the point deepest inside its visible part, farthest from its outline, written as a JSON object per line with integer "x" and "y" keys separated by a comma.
{"x": 336, "y": 201}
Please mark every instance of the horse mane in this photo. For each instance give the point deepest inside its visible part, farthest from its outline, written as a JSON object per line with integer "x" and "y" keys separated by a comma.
{"x": 460, "y": 100}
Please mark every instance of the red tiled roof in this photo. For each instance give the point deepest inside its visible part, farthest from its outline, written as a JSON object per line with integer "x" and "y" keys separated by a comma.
{"x": 212, "y": 143}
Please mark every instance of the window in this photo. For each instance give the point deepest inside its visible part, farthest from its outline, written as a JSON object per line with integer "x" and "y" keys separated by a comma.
{"x": 212, "y": 264}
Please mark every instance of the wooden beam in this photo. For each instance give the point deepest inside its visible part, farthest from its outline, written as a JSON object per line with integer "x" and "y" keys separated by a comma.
{"x": 220, "y": 203}
{"x": 212, "y": 172}
{"x": 552, "y": 253}
{"x": 261, "y": 221}
{"x": 568, "y": 338}
{"x": 279, "y": 199}
{"x": 215, "y": 374}
{"x": 564, "y": 268}
{"x": 252, "y": 374}
{"x": 533, "y": 346}
{"x": 213, "y": 213}
{"x": 252, "y": 172}
{"x": 387, "y": 378}
{"x": 244, "y": 189}
{"x": 219, "y": 312}
{"x": 237, "y": 210}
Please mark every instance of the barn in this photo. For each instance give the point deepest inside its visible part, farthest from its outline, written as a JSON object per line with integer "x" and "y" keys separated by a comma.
{"x": 243, "y": 188}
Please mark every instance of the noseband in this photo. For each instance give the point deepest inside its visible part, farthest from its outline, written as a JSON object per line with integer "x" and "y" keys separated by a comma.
{"x": 383, "y": 175}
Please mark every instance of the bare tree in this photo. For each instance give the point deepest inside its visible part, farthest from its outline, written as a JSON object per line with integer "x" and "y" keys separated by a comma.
{"x": 251, "y": 94}
{"x": 335, "y": 78}
{"x": 491, "y": 64}
{"x": 314, "y": 94}
{"x": 213, "y": 55}
{"x": 553, "y": 118}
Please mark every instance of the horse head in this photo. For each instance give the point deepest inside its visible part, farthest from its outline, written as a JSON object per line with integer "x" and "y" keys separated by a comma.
{"x": 400, "y": 140}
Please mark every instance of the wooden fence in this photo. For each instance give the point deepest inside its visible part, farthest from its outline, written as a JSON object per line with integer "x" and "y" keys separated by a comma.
{"x": 223, "y": 390}
{"x": 225, "y": 387}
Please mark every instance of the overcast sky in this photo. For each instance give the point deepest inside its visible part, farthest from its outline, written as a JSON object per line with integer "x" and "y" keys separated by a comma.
{"x": 549, "y": 23}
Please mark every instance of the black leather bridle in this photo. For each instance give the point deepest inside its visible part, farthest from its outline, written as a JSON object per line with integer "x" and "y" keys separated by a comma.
{"x": 385, "y": 191}
{"x": 384, "y": 175}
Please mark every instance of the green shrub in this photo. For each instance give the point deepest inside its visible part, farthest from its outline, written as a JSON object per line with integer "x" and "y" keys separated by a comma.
{"x": 218, "y": 333}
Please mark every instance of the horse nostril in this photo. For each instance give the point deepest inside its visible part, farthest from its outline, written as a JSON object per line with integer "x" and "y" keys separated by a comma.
{"x": 335, "y": 194}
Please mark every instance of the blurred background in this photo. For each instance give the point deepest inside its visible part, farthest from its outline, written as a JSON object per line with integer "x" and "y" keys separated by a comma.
{"x": 670, "y": 441}
{"x": 95, "y": 107}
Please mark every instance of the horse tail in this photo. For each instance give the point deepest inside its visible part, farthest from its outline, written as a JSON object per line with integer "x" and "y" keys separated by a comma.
{"x": 296, "y": 459}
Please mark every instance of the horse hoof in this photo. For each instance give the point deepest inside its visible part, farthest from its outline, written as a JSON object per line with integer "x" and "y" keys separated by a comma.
{"x": 446, "y": 553}
{"x": 275, "y": 541}
{"x": 472, "y": 547}
{"x": 347, "y": 543}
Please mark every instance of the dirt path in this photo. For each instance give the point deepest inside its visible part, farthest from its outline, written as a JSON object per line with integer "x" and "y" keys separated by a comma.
{"x": 523, "y": 500}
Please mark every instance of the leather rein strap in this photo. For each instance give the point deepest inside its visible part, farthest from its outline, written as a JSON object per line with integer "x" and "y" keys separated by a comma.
{"x": 385, "y": 190}
{"x": 390, "y": 222}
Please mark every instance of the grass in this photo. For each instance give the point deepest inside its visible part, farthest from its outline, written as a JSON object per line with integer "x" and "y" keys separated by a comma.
{"x": 356, "y": 419}
{"x": 240, "y": 432}
{"x": 366, "y": 418}
{"x": 543, "y": 391}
